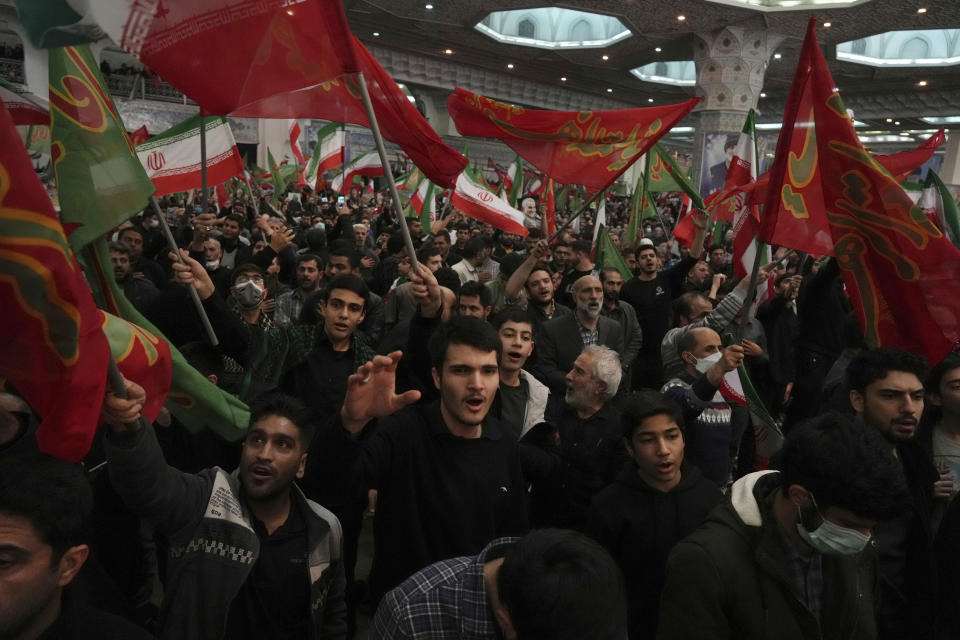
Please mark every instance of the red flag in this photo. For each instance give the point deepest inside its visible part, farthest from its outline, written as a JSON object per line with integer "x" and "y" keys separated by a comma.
{"x": 550, "y": 212}
{"x": 54, "y": 351}
{"x": 902, "y": 164}
{"x": 573, "y": 147}
{"x": 900, "y": 270}
{"x": 139, "y": 136}
{"x": 282, "y": 59}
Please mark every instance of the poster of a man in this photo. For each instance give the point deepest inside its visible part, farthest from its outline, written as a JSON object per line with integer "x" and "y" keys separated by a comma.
{"x": 718, "y": 151}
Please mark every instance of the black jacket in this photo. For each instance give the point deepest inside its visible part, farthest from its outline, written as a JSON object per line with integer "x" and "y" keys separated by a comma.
{"x": 639, "y": 525}
{"x": 730, "y": 579}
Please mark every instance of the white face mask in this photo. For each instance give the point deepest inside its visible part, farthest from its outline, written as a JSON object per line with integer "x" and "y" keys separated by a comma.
{"x": 153, "y": 224}
{"x": 704, "y": 364}
{"x": 831, "y": 538}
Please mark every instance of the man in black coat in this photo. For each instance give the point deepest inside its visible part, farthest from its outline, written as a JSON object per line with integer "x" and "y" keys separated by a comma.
{"x": 657, "y": 500}
{"x": 564, "y": 337}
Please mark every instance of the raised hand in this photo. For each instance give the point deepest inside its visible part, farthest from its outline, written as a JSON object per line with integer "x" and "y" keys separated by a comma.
{"x": 190, "y": 272}
{"x": 372, "y": 393}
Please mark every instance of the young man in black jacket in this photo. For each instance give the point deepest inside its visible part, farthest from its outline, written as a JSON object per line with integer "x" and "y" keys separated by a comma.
{"x": 657, "y": 500}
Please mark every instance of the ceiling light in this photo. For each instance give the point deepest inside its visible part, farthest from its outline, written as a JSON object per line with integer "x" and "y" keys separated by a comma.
{"x": 763, "y": 95}
{"x": 897, "y": 122}
{"x": 606, "y": 57}
{"x": 376, "y": 34}
{"x": 777, "y": 56}
{"x": 922, "y": 83}
{"x": 658, "y": 49}
{"x": 509, "y": 65}
{"x": 563, "y": 79}
{"x": 289, "y": 12}
{"x": 428, "y": 6}
{"x": 827, "y": 24}
{"x": 889, "y": 119}
{"x": 922, "y": 10}
{"x": 681, "y": 18}
{"x": 448, "y": 51}
{"x": 609, "y": 90}
{"x": 649, "y": 99}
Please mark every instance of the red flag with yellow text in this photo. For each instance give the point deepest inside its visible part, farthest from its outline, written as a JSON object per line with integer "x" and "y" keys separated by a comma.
{"x": 53, "y": 349}
{"x": 591, "y": 148}
{"x": 899, "y": 269}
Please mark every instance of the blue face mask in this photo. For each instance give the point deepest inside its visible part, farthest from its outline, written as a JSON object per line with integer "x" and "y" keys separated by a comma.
{"x": 831, "y": 538}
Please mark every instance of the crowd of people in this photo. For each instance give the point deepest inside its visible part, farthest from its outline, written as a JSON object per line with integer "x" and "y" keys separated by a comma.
{"x": 547, "y": 449}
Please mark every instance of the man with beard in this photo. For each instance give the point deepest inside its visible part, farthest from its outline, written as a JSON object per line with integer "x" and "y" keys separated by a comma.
{"x": 140, "y": 291}
{"x": 427, "y": 459}
{"x": 250, "y": 555}
{"x": 535, "y": 278}
{"x": 564, "y": 338}
{"x": 618, "y": 310}
{"x": 589, "y": 446}
{"x": 580, "y": 265}
{"x": 135, "y": 238}
{"x": 290, "y": 303}
{"x": 886, "y": 393}
{"x": 235, "y": 251}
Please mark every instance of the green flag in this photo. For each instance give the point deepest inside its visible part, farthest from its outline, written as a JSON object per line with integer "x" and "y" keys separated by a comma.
{"x": 279, "y": 178}
{"x": 606, "y": 255}
{"x": 515, "y": 172}
{"x": 195, "y": 401}
{"x": 665, "y": 175}
{"x": 936, "y": 200}
{"x": 99, "y": 178}
{"x": 642, "y": 207}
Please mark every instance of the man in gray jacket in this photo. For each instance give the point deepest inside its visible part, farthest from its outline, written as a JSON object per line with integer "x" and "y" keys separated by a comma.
{"x": 250, "y": 556}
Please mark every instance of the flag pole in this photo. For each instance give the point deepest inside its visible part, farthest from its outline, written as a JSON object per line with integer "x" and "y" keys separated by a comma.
{"x": 580, "y": 212}
{"x": 751, "y": 291}
{"x": 387, "y": 171}
{"x": 203, "y": 168}
{"x": 211, "y": 334}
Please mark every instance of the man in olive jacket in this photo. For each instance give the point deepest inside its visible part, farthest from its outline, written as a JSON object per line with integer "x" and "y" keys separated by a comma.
{"x": 789, "y": 555}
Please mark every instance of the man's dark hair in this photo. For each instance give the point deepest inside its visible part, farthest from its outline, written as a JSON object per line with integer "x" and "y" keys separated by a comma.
{"x": 474, "y": 288}
{"x": 541, "y": 266}
{"x": 466, "y": 330}
{"x": 714, "y": 247}
{"x": 425, "y": 253}
{"x": 511, "y": 313}
{"x": 316, "y": 239}
{"x": 683, "y": 305}
{"x": 474, "y": 246}
{"x": 603, "y": 273}
{"x": 442, "y": 233}
{"x": 872, "y": 365}
{"x": 235, "y": 218}
{"x": 396, "y": 243}
{"x": 643, "y": 404}
{"x": 307, "y": 257}
{"x": 120, "y": 247}
{"x": 246, "y": 267}
{"x": 52, "y": 494}
{"x": 203, "y": 357}
{"x": 347, "y": 281}
{"x": 581, "y": 246}
{"x": 844, "y": 465}
{"x": 561, "y": 585}
{"x": 344, "y": 249}
{"x": 138, "y": 230}
{"x": 284, "y": 406}
{"x": 535, "y": 233}
{"x": 447, "y": 277}
{"x": 510, "y": 263}
{"x": 931, "y": 412}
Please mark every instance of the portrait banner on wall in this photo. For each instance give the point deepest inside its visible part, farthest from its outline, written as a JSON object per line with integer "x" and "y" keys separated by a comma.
{"x": 717, "y": 153}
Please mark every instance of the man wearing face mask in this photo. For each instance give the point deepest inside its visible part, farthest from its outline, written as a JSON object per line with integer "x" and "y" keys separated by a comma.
{"x": 714, "y": 425}
{"x": 789, "y": 554}
{"x": 247, "y": 293}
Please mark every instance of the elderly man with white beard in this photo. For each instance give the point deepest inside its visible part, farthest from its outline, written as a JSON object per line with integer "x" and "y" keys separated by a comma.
{"x": 564, "y": 338}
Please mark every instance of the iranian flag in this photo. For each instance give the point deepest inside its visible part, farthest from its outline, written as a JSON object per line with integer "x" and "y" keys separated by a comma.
{"x": 424, "y": 202}
{"x": 366, "y": 164}
{"x": 601, "y": 220}
{"x": 480, "y": 204}
{"x": 24, "y": 107}
{"x": 938, "y": 203}
{"x": 172, "y": 159}
{"x": 327, "y": 154}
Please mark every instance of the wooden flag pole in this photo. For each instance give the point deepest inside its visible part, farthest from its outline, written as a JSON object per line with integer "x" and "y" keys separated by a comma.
{"x": 387, "y": 172}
